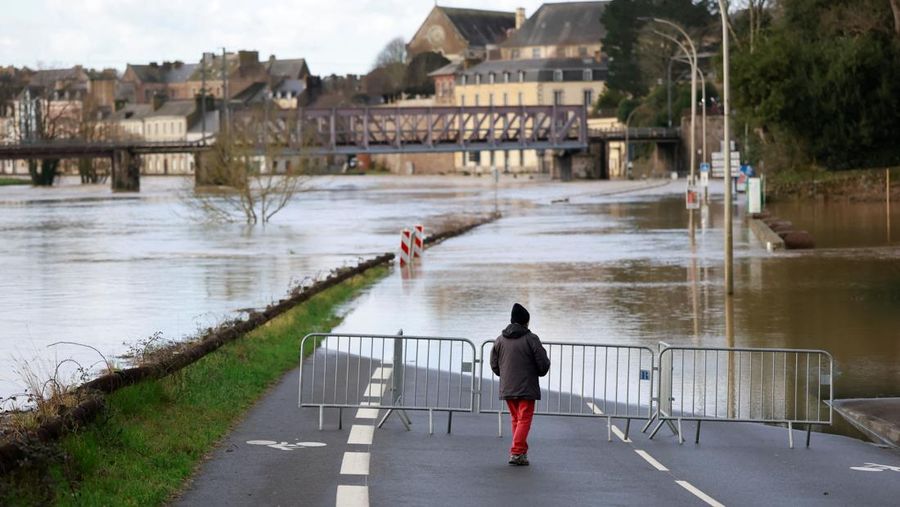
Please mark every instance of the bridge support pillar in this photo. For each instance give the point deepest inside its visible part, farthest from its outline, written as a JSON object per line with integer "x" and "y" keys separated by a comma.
{"x": 125, "y": 171}
{"x": 563, "y": 166}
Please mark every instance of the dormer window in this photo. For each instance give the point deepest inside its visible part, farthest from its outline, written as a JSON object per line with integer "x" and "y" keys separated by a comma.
{"x": 588, "y": 75}
{"x": 506, "y": 77}
{"x": 557, "y": 75}
{"x": 521, "y": 76}
{"x": 477, "y": 79}
{"x": 465, "y": 79}
{"x": 491, "y": 78}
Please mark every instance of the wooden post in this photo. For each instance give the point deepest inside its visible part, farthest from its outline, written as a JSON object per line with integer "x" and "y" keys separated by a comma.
{"x": 887, "y": 201}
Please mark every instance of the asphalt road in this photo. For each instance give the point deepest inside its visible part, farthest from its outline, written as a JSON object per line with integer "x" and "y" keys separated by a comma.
{"x": 275, "y": 457}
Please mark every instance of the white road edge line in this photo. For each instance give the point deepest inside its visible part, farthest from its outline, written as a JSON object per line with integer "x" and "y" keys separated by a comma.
{"x": 361, "y": 434}
{"x": 355, "y": 463}
{"x": 699, "y": 494}
{"x": 352, "y": 496}
{"x": 649, "y": 459}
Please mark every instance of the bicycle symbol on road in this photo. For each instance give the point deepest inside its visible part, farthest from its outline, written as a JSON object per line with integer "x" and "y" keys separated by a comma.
{"x": 284, "y": 446}
{"x": 875, "y": 467}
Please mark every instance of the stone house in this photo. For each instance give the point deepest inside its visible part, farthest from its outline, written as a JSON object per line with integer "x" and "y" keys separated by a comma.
{"x": 460, "y": 34}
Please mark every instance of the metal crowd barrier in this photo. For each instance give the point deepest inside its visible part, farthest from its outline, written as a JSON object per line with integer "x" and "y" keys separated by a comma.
{"x": 768, "y": 385}
{"x": 393, "y": 372}
{"x": 585, "y": 380}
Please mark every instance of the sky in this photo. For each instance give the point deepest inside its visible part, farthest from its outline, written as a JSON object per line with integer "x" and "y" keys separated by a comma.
{"x": 335, "y": 36}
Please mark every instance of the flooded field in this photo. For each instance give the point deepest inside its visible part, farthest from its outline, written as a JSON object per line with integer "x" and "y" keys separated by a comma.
{"x": 593, "y": 261}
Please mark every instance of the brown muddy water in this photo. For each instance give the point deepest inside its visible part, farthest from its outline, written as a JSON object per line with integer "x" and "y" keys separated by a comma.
{"x": 615, "y": 263}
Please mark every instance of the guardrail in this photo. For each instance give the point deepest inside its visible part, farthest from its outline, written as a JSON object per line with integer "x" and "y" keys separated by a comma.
{"x": 767, "y": 385}
{"x": 395, "y": 372}
{"x": 585, "y": 380}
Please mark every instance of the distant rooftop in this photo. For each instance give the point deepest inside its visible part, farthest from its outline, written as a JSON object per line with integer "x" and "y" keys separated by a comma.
{"x": 562, "y": 23}
{"x": 480, "y": 27}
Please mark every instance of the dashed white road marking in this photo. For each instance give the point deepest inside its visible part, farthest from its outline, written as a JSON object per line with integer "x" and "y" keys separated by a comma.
{"x": 383, "y": 372}
{"x": 361, "y": 434}
{"x": 615, "y": 429}
{"x": 367, "y": 413}
{"x": 699, "y": 494}
{"x": 650, "y": 459}
{"x": 374, "y": 391}
{"x": 355, "y": 463}
{"x": 352, "y": 496}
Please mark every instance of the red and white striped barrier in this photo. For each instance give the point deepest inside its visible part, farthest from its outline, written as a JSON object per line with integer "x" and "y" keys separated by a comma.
{"x": 418, "y": 240}
{"x": 405, "y": 247}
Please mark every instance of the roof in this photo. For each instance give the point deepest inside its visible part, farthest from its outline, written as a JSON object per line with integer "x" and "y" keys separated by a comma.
{"x": 480, "y": 27}
{"x": 563, "y": 23}
{"x": 131, "y": 112}
{"x": 212, "y": 123}
{"x": 535, "y": 64}
{"x": 49, "y": 77}
{"x": 293, "y": 68}
{"x": 180, "y": 108}
{"x": 166, "y": 73}
{"x": 255, "y": 92}
{"x": 449, "y": 69}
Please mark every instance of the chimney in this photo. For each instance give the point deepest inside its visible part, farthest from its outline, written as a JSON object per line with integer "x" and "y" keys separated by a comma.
{"x": 248, "y": 58}
{"x": 520, "y": 17}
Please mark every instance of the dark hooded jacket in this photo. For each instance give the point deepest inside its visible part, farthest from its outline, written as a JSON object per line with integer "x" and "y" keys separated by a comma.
{"x": 518, "y": 358}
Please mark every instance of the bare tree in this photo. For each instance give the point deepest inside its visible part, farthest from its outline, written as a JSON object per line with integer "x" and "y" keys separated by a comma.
{"x": 248, "y": 182}
{"x": 393, "y": 52}
{"x": 44, "y": 114}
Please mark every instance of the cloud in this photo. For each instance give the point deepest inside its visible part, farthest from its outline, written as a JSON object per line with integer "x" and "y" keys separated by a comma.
{"x": 336, "y": 36}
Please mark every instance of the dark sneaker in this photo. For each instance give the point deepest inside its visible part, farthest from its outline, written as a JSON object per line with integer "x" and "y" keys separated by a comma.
{"x": 519, "y": 460}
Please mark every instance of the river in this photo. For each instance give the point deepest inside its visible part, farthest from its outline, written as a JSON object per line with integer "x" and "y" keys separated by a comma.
{"x": 593, "y": 261}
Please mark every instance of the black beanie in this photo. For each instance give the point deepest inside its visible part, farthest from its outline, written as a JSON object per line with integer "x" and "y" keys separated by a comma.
{"x": 520, "y": 315}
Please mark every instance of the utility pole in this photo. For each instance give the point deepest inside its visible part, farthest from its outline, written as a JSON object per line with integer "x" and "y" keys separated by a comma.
{"x": 726, "y": 148}
{"x": 203, "y": 97}
{"x": 225, "y": 114}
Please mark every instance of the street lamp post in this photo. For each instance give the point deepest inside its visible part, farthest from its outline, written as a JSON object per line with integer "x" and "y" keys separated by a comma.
{"x": 627, "y": 169}
{"x": 726, "y": 149}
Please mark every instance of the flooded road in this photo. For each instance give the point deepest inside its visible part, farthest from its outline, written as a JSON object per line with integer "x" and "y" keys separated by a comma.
{"x": 611, "y": 264}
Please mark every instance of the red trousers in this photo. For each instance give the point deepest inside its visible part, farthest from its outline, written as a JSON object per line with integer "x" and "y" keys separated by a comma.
{"x": 521, "y": 412}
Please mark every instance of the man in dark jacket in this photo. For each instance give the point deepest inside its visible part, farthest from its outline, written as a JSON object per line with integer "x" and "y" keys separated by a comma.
{"x": 518, "y": 358}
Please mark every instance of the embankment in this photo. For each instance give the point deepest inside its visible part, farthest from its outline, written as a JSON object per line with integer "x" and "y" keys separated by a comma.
{"x": 856, "y": 185}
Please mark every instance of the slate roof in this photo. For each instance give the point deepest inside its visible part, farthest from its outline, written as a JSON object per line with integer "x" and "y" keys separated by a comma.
{"x": 539, "y": 69}
{"x": 450, "y": 68}
{"x": 559, "y": 24}
{"x": 131, "y": 112}
{"x": 165, "y": 73}
{"x": 480, "y": 27}
{"x": 178, "y": 108}
{"x": 292, "y": 68}
{"x": 50, "y": 77}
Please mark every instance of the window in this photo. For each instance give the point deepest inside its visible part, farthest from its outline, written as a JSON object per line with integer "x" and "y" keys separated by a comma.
{"x": 588, "y": 75}
{"x": 557, "y": 97}
{"x": 475, "y": 157}
{"x": 557, "y": 75}
{"x": 520, "y": 98}
{"x": 582, "y": 51}
{"x": 506, "y": 77}
{"x": 490, "y": 99}
{"x": 588, "y": 98}
{"x": 536, "y": 52}
{"x": 491, "y": 78}
{"x": 505, "y": 99}
{"x": 521, "y": 76}
{"x": 462, "y": 100}
{"x": 465, "y": 78}
{"x": 478, "y": 79}
{"x": 477, "y": 97}
{"x": 514, "y": 54}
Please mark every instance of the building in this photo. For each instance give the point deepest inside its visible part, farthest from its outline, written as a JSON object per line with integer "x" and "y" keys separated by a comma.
{"x": 554, "y": 58}
{"x": 460, "y": 34}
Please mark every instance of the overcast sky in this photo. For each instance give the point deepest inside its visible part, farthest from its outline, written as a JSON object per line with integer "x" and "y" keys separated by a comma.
{"x": 335, "y": 36}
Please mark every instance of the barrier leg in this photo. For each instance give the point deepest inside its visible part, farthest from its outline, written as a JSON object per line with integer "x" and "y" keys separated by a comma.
{"x": 609, "y": 429}
{"x": 627, "y": 427}
{"x": 790, "y": 435}
{"x": 680, "y": 435}
{"x": 449, "y": 421}
{"x": 500, "y": 423}
{"x": 321, "y": 417}
{"x": 340, "y": 418}
{"x": 656, "y": 429}
{"x": 430, "y": 421}
{"x": 808, "y": 432}
{"x": 697, "y": 435}
{"x": 649, "y": 422}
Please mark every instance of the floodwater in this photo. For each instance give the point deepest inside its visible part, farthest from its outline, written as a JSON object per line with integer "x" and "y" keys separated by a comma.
{"x": 610, "y": 262}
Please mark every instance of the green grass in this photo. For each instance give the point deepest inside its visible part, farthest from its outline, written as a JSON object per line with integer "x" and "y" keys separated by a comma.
{"x": 5, "y": 181}
{"x": 154, "y": 434}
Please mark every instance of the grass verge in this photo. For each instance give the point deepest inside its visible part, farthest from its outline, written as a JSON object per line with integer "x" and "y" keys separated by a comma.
{"x": 154, "y": 434}
{"x": 13, "y": 181}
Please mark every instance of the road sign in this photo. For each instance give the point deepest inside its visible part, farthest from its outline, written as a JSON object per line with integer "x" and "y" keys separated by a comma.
{"x": 692, "y": 198}
{"x": 718, "y": 163}
{"x": 704, "y": 167}
{"x": 704, "y": 179}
